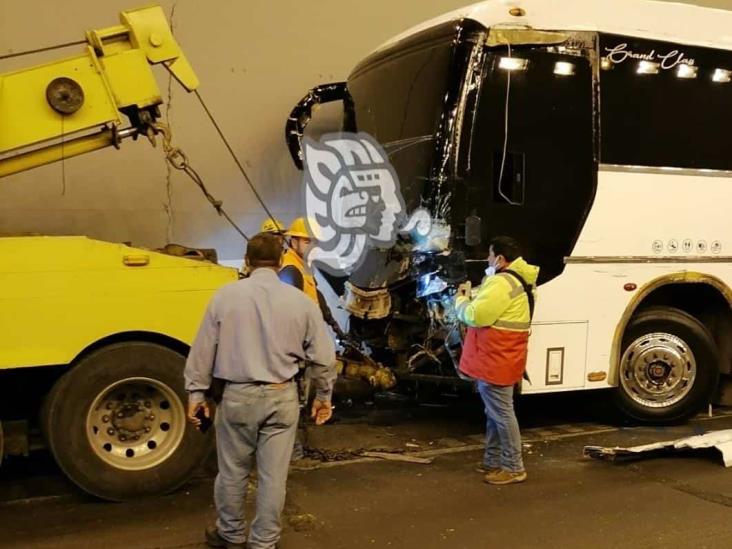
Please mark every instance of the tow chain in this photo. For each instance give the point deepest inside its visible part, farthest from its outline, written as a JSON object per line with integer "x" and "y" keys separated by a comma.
{"x": 179, "y": 160}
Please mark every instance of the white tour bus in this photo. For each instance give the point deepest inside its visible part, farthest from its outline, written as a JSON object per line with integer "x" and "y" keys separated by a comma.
{"x": 597, "y": 134}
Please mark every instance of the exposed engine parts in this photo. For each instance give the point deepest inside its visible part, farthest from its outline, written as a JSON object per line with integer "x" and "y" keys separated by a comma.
{"x": 377, "y": 375}
{"x": 367, "y": 304}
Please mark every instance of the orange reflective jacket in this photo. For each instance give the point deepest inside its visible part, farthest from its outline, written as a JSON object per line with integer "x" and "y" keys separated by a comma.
{"x": 499, "y": 322}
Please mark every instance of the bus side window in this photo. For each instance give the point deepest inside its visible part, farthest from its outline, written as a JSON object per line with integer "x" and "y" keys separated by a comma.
{"x": 664, "y": 104}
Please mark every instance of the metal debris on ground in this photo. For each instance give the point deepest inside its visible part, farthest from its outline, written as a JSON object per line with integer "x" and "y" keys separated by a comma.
{"x": 319, "y": 454}
{"x": 721, "y": 440}
{"x": 330, "y": 455}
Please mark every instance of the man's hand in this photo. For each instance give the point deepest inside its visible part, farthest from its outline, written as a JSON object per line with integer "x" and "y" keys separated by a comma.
{"x": 322, "y": 411}
{"x": 193, "y": 408}
{"x": 464, "y": 289}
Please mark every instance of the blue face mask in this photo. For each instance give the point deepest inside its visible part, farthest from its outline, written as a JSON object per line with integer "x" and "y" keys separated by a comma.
{"x": 490, "y": 271}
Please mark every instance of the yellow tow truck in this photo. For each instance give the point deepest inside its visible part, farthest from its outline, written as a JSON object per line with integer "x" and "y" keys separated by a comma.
{"x": 93, "y": 335}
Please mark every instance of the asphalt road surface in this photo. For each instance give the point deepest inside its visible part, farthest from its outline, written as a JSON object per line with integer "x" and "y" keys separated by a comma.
{"x": 680, "y": 500}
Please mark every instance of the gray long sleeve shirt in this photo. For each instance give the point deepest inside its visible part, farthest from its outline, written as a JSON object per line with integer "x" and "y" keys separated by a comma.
{"x": 250, "y": 331}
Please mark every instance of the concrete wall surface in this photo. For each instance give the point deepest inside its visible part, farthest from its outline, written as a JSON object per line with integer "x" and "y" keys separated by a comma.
{"x": 255, "y": 60}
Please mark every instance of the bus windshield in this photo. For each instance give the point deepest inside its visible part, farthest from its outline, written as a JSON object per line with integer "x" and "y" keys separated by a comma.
{"x": 399, "y": 99}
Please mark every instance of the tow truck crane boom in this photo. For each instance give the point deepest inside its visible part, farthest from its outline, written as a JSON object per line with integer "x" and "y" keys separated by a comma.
{"x": 77, "y": 105}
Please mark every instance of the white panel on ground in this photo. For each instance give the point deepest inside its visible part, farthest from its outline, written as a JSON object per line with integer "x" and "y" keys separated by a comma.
{"x": 721, "y": 440}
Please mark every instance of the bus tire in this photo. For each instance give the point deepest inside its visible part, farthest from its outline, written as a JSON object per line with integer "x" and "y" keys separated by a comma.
{"x": 669, "y": 367}
{"x": 116, "y": 422}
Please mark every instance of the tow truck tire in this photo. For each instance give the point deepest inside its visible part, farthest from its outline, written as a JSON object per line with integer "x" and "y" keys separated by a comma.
{"x": 669, "y": 368}
{"x": 116, "y": 423}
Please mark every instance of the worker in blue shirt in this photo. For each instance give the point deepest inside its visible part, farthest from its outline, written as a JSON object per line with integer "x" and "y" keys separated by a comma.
{"x": 254, "y": 335}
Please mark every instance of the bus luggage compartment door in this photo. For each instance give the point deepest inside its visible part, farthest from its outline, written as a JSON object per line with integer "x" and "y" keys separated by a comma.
{"x": 557, "y": 357}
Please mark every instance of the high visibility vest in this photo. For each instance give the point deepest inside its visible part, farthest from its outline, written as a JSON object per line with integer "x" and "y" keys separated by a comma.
{"x": 291, "y": 259}
{"x": 499, "y": 322}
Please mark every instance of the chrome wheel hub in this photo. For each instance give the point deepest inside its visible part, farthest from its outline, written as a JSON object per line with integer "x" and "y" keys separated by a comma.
{"x": 658, "y": 370}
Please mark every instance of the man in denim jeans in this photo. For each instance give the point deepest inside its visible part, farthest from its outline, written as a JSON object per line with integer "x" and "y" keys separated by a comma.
{"x": 495, "y": 349}
{"x": 250, "y": 336}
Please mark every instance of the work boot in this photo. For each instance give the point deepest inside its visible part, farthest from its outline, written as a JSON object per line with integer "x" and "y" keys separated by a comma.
{"x": 214, "y": 539}
{"x": 485, "y": 470}
{"x": 505, "y": 477}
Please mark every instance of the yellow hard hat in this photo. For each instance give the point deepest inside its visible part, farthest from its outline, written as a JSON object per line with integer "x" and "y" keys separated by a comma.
{"x": 272, "y": 225}
{"x": 299, "y": 228}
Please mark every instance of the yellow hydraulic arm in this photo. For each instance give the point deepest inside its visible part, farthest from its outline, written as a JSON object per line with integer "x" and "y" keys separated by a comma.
{"x": 73, "y": 106}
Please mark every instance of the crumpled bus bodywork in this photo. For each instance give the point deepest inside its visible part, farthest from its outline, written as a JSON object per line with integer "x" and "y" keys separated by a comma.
{"x": 435, "y": 101}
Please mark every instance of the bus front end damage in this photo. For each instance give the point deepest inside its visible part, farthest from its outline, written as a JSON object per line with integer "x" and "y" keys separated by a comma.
{"x": 419, "y": 98}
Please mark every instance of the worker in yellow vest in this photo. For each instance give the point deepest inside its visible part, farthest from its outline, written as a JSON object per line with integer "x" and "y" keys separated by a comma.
{"x": 295, "y": 271}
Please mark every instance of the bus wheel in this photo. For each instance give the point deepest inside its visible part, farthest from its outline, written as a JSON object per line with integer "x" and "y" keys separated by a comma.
{"x": 669, "y": 368}
{"x": 116, "y": 422}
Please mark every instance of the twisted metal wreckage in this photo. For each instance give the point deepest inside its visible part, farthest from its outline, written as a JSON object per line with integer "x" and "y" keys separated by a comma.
{"x": 400, "y": 299}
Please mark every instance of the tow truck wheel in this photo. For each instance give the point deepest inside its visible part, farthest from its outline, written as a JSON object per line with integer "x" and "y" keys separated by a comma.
{"x": 669, "y": 367}
{"x": 116, "y": 422}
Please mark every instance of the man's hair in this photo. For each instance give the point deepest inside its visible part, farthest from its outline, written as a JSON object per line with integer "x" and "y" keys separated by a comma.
{"x": 507, "y": 247}
{"x": 264, "y": 250}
